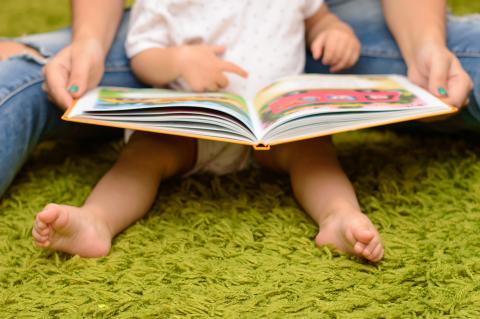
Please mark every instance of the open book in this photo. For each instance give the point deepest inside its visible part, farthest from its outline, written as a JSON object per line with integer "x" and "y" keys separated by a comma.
{"x": 290, "y": 109}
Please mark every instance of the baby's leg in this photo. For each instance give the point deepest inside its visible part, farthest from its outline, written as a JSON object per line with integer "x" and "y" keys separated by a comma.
{"x": 123, "y": 195}
{"x": 324, "y": 191}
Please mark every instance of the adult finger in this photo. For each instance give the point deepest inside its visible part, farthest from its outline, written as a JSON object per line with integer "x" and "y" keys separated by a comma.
{"x": 49, "y": 95}
{"x": 233, "y": 68}
{"x": 56, "y": 77}
{"x": 459, "y": 85}
{"x": 78, "y": 81}
{"x": 416, "y": 77}
{"x": 438, "y": 76}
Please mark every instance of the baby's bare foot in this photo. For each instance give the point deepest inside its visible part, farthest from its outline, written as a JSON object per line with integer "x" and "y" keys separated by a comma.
{"x": 72, "y": 230}
{"x": 352, "y": 233}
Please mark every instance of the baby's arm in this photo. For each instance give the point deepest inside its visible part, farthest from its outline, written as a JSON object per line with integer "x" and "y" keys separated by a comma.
{"x": 332, "y": 39}
{"x": 199, "y": 65}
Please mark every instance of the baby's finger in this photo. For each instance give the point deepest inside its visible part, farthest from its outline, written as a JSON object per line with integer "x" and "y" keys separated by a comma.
{"x": 222, "y": 81}
{"x": 329, "y": 55}
{"x": 233, "y": 68}
{"x": 355, "y": 55}
{"x": 349, "y": 58}
{"x": 197, "y": 85}
{"x": 318, "y": 46}
{"x": 343, "y": 63}
{"x": 341, "y": 50}
{"x": 212, "y": 87}
{"x": 335, "y": 62}
{"x": 217, "y": 49}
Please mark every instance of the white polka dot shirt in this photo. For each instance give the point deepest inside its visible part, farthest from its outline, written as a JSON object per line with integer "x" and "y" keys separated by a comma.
{"x": 264, "y": 37}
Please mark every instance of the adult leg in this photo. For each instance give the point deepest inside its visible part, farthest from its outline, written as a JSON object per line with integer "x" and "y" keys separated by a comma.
{"x": 122, "y": 196}
{"x": 381, "y": 55}
{"x": 324, "y": 191}
{"x": 26, "y": 115}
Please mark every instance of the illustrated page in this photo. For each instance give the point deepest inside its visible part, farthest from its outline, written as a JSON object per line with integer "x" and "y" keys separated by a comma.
{"x": 313, "y": 94}
{"x": 118, "y": 100}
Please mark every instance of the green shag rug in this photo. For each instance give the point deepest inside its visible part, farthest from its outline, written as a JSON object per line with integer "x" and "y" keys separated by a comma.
{"x": 239, "y": 246}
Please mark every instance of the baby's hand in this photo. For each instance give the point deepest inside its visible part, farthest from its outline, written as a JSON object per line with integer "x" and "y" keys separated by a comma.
{"x": 339, "y": 47}
{"x": 203, "y": 69}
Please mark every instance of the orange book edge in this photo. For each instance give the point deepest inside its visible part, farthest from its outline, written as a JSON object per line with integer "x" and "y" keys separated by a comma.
{"x": 260, "y": 146}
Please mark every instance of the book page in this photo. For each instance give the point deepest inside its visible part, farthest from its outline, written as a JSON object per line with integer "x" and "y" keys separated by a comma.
{"x": 304, "y": 95}
{"x": 106, "y": 100}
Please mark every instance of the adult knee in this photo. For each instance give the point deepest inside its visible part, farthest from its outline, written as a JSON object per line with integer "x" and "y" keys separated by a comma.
{"x": 9, "y": 49}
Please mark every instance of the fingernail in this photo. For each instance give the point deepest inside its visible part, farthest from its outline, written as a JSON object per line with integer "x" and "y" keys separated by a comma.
{"x": 443, "y": 92}
{"x": 73, "y": 88}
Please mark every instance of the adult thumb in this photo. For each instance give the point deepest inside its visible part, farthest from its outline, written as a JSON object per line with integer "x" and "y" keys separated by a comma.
{"x": 78, "y": 82}
{"x": 438, "y": 79}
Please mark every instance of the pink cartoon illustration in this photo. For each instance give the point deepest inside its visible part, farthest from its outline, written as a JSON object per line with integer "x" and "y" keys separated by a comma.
{"x": 341, "y": 97}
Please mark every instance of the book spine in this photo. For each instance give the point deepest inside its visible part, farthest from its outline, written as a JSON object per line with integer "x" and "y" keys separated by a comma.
{"x": 261, "y": 147}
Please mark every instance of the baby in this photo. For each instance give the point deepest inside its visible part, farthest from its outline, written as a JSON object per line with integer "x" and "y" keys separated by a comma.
{"x": 237, "y": 46}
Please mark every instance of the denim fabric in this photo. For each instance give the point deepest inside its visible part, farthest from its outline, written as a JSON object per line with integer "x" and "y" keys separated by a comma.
{"x": 27, "y": 117}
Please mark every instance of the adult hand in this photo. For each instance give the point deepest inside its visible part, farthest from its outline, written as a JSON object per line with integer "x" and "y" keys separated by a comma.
{"x": 439, "y": 71}
{"x": 74, "y": 70}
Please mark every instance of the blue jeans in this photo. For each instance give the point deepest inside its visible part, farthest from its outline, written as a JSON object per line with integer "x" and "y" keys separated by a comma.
{"x": 27, "y": 117}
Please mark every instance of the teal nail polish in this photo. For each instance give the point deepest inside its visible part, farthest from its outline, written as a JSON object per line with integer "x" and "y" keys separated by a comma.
{"x": 442, "y": 92}
{"x": 73, "y": 88}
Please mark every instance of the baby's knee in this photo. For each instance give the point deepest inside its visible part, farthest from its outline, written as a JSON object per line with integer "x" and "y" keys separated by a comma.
{"x": 159, "y": 150}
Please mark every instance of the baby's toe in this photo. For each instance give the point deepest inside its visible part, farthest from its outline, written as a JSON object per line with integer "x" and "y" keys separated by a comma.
{"x": 48, "y": 215}
{"x": 40, "y": 225}
{"x": 377, "y": 253}
{"x": 39, "y": 239}
{"x": 43, "y": 244}
{"x": 370, "y": 247}
{"x": 364, "y": 235}
{"x": 374, "y": 254}
{"x": 359, "y": 248}
{"x": 36, "y": 235}
{"x": 43, "y": 232}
